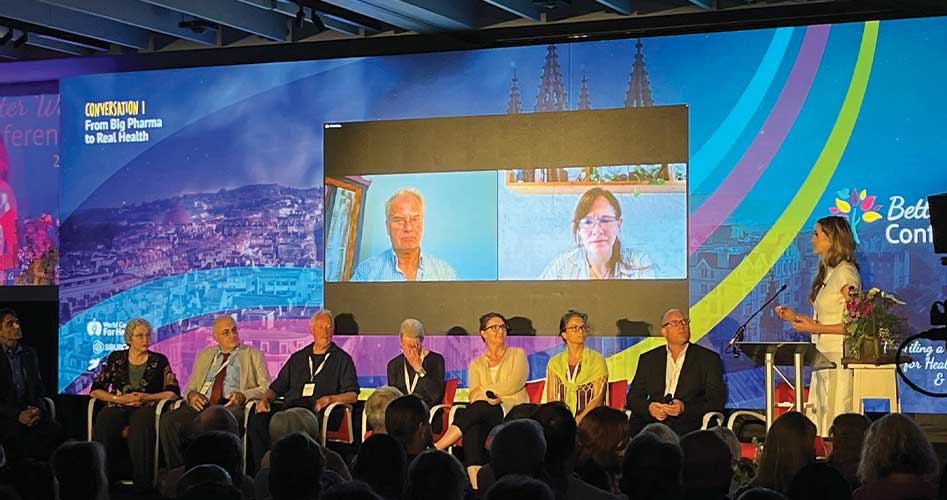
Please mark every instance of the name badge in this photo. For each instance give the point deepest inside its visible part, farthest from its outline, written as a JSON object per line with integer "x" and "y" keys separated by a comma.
{"x": 206, "y": 387}
{"x": 309, "y": 390}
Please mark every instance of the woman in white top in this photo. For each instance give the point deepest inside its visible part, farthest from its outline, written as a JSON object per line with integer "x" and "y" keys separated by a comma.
{"x": 830, "y": 392}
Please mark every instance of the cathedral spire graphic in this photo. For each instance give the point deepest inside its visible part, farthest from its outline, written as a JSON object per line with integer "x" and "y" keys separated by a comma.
{"x": 514, "y": 106}
{"x": 584, "y": 102}
{"x": 639, "y": 90}
{"x": 552, "y": 92}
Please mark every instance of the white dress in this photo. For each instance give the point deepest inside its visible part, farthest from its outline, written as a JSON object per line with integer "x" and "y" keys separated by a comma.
{"x": 830, "y": 392}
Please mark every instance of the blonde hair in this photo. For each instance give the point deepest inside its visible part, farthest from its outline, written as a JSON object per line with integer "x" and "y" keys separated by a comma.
{"x": 841, "y": 249}
{"x": 895, "y": 444}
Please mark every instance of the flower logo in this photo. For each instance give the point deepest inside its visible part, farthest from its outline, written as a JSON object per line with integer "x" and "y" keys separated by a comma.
{"x": 857, "y": 207}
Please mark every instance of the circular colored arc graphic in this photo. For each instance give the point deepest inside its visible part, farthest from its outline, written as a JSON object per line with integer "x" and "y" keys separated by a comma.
{"x": 714, "y": 306}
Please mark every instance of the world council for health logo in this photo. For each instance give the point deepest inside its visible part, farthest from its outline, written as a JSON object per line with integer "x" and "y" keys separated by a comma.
{"x": 856, "y": 206}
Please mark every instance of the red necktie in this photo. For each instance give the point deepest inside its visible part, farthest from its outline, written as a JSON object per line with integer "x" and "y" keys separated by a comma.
{"x": 217, "y": 393}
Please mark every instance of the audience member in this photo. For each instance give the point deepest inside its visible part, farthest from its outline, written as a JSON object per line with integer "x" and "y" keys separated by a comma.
{"x": 8, "y": 493}
{"x": 435, "y": 475}
{"x": 376, "y": 406}
{"x": 707, "y": 469}
{"x": 216, "y": 418}
{"x": 407, "y": 422}
{"x": 518, "y": 448}
{"x": 789, "y": 446}
{"x": 897, "y": 461}
{"x": 663, "y": 432}
{"x": 602, "y": 436}
{"x": 31, "y": 479}
{"x": 382, "y": 464}
{"x": 79, "y": 467}
{"x": 744, "y": 469}
{"x": 761, "y": 494}
{"x": 213, "y": 491}
{"x": 522, "y": 410}
{"x": 218, "y": 448}
{"x": 848, "y": 434}
{"x": 294, "y": 461}
{"x": 352, "y": 490}
{"x": 517, "y": 487}
{"x": 651, "y": 469}
{"x": 819, "y": 481}
{"x": 200, "y": 475}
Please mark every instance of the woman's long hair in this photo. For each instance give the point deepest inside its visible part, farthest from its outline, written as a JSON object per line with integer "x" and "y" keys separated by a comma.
{"x": 584, "y": 206}
{"x": 895, "y": 444}
{"x": 602, "y": 434}
{"x": 841, "y": 249}
{"x": 789, "y": 446}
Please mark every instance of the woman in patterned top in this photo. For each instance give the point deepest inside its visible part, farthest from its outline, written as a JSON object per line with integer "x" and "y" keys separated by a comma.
{"x": 577, "y": 376}
{"x": 132, "y": 382}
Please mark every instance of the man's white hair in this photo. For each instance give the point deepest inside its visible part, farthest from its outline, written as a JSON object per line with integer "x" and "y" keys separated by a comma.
{"x": 323, "y": 312}
{"x": 403, "y": 192}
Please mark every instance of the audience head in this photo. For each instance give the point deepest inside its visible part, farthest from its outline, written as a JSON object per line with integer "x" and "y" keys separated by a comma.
{"x": 707, "y": 469}
{"x": 376, "y": 406}
{"x": 602, "y": 435}
{"x": 761, "y": 494}
{"x": 218, "y": 448}
{"x": 518, "y": 487}
{"x": 212, "y": 491}
{"x": 351, "y": 490}
{"x": 79, "y": 467}
{"x": 651, "y": 468}
{"x": 730, "y": 439}
{"x": 895, "y": 444}
{"x": 294, "y": 420}
{"x": 406, "y": 420}
{"x": 789, "y": 446}
{"x": 663, "y": 432}
{"x": 295, "y": 463}
{"x": 8, "y": 493}
{"x": 848, "y": 435}
{"x": 559, "y": 429}
{"x": 435, "y": 475}
{"x": 31, "y": 479}
{"x": 382, "y": 463}
{"x": 200, "y": 475}
{"x": 819, "y": 481}
{"x": 522, "y": 410}
{"x": 217, "y": 418}
{"x": 518, "y": 448}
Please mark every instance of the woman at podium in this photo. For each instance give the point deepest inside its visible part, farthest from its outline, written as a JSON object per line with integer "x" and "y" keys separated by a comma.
{"x": 830, "y": 392}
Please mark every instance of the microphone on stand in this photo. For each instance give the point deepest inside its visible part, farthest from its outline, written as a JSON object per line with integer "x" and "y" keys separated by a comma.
{"x": 738, "y": 336}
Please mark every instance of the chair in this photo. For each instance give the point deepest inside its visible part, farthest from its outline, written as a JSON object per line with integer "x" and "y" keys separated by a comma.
{"x": 446, "y": 408}
{"x": 346, "y": 432}
{"x": 785, "y": 396}
{"x": 534, "y": 389}
{"x": 617, "y": 392}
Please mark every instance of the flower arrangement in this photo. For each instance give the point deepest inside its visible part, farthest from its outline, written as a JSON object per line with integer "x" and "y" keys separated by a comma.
{"x": 869, "y": 317}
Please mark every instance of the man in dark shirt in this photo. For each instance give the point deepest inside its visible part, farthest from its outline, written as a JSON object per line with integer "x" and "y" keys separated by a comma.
{"x": 314, "y": 377}
{"x": 417, "y": 371}
{"x": 26, "y": 426}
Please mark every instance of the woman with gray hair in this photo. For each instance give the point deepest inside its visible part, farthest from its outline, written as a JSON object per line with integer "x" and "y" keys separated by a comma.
{"x": 131, "y": 382}
{"x": 897, "y": 461}
{"x": 417, "y": 370}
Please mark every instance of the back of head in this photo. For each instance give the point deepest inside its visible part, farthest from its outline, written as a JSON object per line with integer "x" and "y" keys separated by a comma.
{"x": 351, "y": 490}
{"x": 651, "y": 468}
{"x": 522, "y": 410}
{"x": 80, "y": 469}
{"x": 663, "y": 432}
{"x": 200, "y": 475}
{"x": 435, "y": 475}
{"x": 601, "y": 434}
{"x": 31, "y": 479}
{"x": 212, "y": 491}
{"x": 819, "y": 481}
{"x": 559, "y": 429}
{"x": 895, "y": 444}
{"x": 761, "y": 494}
{"x": 404, "y": 417}
{"x": 295, "y": 466}
{"x": 382, "y": 463}
{"x": 848, "y": 434}
{"x": 707, "y": 469}
{"x": 294, "y": 420}
{"x": 789, "y": 446}
{"x": 517, "y": 487}
{"x": 218, "y": 448}
{"x": 377, "y": 404}
{"x": 518, "y": 448}
{"x": 217, "y": 418}
{"x": 731, "y": 440}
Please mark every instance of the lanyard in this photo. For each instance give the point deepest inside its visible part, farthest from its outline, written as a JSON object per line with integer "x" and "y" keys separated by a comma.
{"x": 225, "y": 363}
{"x": 572, "y": 375}
{"x": 313, "y": 374}
{"x": 411, "y": 384}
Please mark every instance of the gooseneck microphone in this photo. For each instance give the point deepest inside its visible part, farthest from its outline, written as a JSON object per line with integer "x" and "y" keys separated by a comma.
{"x": 738, "y": 336}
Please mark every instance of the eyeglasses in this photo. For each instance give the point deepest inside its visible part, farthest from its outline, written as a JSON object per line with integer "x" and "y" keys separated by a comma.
{"x": 398, "y": 220}
{"x": 677, "y": 322}
{"x": 605, "y": 220}
{"x": 577, "y": 328}
{"x": 496, "y": 328}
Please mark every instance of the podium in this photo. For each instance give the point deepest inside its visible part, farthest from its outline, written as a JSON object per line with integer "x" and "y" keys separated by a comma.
{"x": 774, "y": 354}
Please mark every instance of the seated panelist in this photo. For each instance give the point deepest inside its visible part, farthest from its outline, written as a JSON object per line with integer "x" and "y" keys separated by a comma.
{"x": 417, "y": 371}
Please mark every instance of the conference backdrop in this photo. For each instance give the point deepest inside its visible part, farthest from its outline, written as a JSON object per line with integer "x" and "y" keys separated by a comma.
{"x": 189, "y": 193}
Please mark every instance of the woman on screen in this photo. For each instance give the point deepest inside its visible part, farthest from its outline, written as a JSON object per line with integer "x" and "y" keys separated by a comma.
{"x": 831, "y": 389}
{"x": 577, "y": 376}
{"x": 131, "y": 382}
{"x": 598, "y": 254}
{"x": 497, "y": 381}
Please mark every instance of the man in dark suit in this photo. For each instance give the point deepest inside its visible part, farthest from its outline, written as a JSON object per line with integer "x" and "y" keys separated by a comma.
{"x": 678, "y": 383}
{"x": 26, "y": 429}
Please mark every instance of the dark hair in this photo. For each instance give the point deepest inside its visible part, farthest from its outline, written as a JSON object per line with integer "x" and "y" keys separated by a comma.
{"x": 651, "y": 468}
{"x": 80, "y": 469}
{"x": 761, "y": 494}
{"x": 217, "y": 418}
{"x": 404, "y": 416}
{"x": 7, "y": 310}
{"x": 350, "y": 490}
{"x": 789, "y": 446}
{"x": 522, "y": 410}
{"x": 584, "y": 206}
{"x": 517, "y": 487}
{"x": 295, "y": 463}
{"x": 487, "y": 317}
{"x": 216, "y": 448}
{"x": 601, "y": 434}
{"x": 519, "y": 447}
{"x": 571, "y": 313}
{"x": 382, "y": 463}
{"x": 200, "y": 475}
{"x": 819, "y": 481}
{"x": 848, "y": 434}
{"x": 707, "y": 469}
{"x": 559, "y": 429}
{"x": 435, "y": 475}
{"x": 212, "y": 490}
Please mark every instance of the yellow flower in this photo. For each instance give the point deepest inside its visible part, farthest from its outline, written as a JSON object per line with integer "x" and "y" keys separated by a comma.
{"x": 873, "y": 292}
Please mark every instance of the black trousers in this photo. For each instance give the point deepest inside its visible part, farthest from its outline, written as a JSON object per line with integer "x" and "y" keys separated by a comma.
{"x": 107, "y": 429}
{"x": 475, "y": 422}
{"x": 38, "y": 441}
{"x": 178, "y": 427}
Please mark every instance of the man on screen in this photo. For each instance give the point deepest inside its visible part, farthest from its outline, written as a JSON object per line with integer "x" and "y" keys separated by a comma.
{"x": 404, "y": 219}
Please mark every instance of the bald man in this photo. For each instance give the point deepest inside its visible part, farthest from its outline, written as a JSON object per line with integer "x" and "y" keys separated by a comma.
{"x": 677, "y": 383}
{"x": 228, "y": 374}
